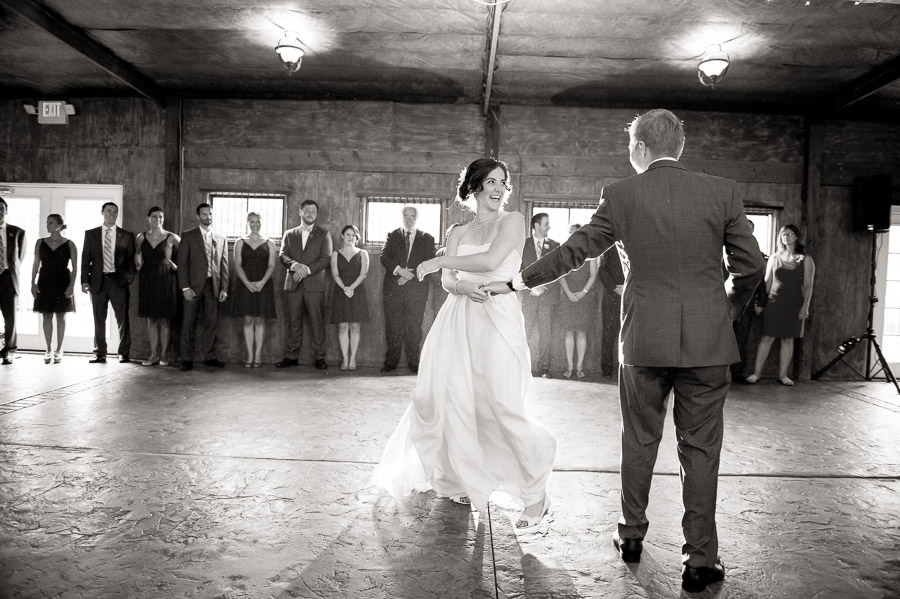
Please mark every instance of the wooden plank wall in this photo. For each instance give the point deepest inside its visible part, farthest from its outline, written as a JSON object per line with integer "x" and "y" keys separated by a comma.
{"x": 330, "y": 152}
{"x": 333, "y": 151}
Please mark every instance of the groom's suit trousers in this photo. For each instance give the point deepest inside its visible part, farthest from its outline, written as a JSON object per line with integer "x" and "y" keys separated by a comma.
{"x": 699, "y": 401}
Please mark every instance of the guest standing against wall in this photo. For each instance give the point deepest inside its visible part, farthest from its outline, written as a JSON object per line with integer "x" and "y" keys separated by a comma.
{"x": 350, "y": 306}
{"x": 613, "y": 280}
{"x": 404, "y": 294}
{"x": 578, "y": 307}
{"x": 539, "y": 304}
{"x": 305, "y": 252}
{"x": 789, "y": 280}
{"x": 253, "y": 295}
{"x": 158, "y": 290}
{"x": 203, "y": 278}
{"x": 107, "y": 270}
{"x": 12, "y": 250}
{"x": 55, "y": 287}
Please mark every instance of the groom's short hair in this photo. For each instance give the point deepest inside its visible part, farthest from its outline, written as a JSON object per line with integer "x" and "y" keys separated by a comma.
{"x": 660, "y": 130}
{"x": 537, "y": 218}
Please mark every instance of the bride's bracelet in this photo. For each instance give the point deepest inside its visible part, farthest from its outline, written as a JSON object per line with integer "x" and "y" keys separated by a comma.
{"x": 456, "y": 287}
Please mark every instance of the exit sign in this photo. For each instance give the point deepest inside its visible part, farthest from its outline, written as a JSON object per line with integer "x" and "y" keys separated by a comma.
{"x": 52, "y": 113}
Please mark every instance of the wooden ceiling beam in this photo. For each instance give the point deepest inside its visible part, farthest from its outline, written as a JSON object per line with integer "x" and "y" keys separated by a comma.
{"x": 497, "y": 10}
{"x": 80, "y": 41}
{"x": 856, "y": 90}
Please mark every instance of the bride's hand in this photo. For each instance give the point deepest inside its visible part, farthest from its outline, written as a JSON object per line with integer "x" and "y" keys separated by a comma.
{"x": 473, "y": 291}
{"x": 428, "y": 267}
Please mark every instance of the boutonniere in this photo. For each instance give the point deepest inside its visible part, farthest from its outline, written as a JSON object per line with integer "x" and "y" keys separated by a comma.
{"x": 545, "y": 244}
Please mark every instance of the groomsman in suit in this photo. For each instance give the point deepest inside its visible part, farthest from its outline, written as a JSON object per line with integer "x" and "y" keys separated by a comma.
{"x": 12, "y": 250}
{"x": 404, "y": 294}
{"x": 203, "y": 279}
{"x": 107, "y": 270}
{"x": 613, "y": 280}
{"x": 676, "y": 329}
{"x": 305, "y": 252}
{"x": 539, "y": 304}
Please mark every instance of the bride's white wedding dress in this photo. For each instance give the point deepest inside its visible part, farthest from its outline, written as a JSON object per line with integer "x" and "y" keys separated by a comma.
{"x": 466, "y": 431}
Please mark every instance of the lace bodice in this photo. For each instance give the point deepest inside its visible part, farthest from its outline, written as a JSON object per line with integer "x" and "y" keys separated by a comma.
{"x": 504, "y": 272}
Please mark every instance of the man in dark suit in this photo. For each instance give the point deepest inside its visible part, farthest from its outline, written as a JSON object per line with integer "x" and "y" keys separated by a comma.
{"x": 203, "y": 278}
{"x": 306, "y": 252}
{"x": 613, "y": 280}
{"x": 404, "y": 294}
{"x": 12, "y": 250}
{"x": 743, "y": 323}
{"x": 676, "y": 330}
{"x": 107, "y": 270}
{"x": 539, "y": 305}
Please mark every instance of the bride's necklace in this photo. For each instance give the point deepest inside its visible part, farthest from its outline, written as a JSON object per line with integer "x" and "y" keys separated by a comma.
{"x": 483, "y": 224}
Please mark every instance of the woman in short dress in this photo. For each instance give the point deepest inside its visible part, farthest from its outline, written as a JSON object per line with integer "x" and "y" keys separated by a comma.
{"x": 789, "y": 280}
{"x": 54, "y": 290}
{"x": 252, "y": 294}
{"x": 349, "y": 268}
{"x": 158, "y": 298}
{"x": 578, "y": 308}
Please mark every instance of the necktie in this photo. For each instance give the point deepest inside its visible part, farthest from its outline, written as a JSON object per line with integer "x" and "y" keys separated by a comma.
{"x": 406, "y": 245}
{"x": 207, "y": 242}
{"x": 109, "y": 263}
{"x": 537, "y": 247}
{"x": 3, "y": 264}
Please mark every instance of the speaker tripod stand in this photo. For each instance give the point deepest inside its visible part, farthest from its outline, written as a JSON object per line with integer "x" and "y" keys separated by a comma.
{"x": 869, "y": 339}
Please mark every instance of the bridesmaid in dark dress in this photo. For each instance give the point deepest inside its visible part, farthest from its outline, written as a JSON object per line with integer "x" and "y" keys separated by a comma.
{"x": 159, "y": 296}
{"x": 55, "y": 286}
{"x": 789, "y": 281}
{"x": 578, "y": 308}
{"x": 252, "y": 294}
{"x": 349, "y": 267}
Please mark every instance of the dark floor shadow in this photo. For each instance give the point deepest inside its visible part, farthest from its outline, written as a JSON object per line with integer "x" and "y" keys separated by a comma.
{"x": 545, "y": 582}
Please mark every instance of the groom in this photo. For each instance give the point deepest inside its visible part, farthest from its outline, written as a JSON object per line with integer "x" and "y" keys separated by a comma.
{"x": 670, "y": 224}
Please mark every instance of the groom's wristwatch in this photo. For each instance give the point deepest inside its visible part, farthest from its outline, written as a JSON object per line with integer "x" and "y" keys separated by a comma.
{"x": 510, "y": 285}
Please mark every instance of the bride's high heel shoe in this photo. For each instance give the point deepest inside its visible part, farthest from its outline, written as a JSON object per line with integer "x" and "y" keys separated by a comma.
{"x": 48, "y": 355}
{"x": 530, "y": 521}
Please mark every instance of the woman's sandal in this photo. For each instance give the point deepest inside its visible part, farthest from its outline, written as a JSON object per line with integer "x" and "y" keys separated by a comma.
{"x": 461, "y": 499}
{"x": 786, "y": 381}
{"x": 530, "y": 521}
{"x": 751, "y": 380}
{"x": 580, "y": 374}
{"x": 568, "y": 374}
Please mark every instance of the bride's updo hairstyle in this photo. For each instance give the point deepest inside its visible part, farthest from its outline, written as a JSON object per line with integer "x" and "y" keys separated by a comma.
{"x": 472, "y": 178}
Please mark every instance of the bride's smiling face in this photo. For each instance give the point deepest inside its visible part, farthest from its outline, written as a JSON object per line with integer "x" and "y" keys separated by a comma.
{"x": 493, "y": 190}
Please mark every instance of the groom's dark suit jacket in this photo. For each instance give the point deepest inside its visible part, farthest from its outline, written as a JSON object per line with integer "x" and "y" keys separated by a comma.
{"x": 393, "y": 254}
{"x": 672, "y": 224}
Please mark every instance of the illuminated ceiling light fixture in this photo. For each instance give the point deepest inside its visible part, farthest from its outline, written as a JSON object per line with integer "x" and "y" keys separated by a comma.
{"x": 290, "y": 50}
{"x": 713, "y": 65}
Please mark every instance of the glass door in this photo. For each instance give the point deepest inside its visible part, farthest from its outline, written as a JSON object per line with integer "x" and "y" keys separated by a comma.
{"x": 79, "y": 205}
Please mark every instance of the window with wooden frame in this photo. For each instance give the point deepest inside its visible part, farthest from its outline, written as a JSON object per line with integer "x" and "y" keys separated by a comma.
{"x": 381, "y": 214}
{"x": 562, "y": 213}
{"x": 765, "y": 226}
{"x": 230, "y": 210}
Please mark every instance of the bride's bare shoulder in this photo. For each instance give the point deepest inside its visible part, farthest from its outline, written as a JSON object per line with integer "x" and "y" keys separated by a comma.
{"x": 513, "y": 218}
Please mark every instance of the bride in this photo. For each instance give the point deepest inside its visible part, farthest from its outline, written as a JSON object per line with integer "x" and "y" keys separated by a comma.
{"x": 466, "y": 434}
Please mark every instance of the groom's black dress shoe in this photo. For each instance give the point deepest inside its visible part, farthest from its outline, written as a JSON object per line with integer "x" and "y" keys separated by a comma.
{"x": 631, "y": 549}
{"x": 287, "y": 362}
{"x": 694, "y": 580}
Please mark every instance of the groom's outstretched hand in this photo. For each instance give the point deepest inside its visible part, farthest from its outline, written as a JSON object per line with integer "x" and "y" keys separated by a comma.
{"x": 496, "y": 287}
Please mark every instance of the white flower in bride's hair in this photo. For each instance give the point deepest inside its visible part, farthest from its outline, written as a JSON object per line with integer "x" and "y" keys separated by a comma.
{"x": 462, "y": 177}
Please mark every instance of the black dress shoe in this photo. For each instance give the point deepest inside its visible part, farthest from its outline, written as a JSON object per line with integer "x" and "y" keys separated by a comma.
{"x": 415, "y": 369}
{"x": 630, "y": 549}
{"x": 287, "y": 362}
{"x": 98, "y": 360}
{"x": 214, "y": 362}
{"x": 187, "y": 365}
{"x": 387, "y": 369}
{"x": 124, "y": 359}
{"x": 694, "y": 580}
{"x": 321, "y": 364}
{"x": 6, "y": 361}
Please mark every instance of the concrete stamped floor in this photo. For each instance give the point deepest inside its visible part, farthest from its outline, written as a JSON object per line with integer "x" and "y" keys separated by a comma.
{"x": 122, "y": 481}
